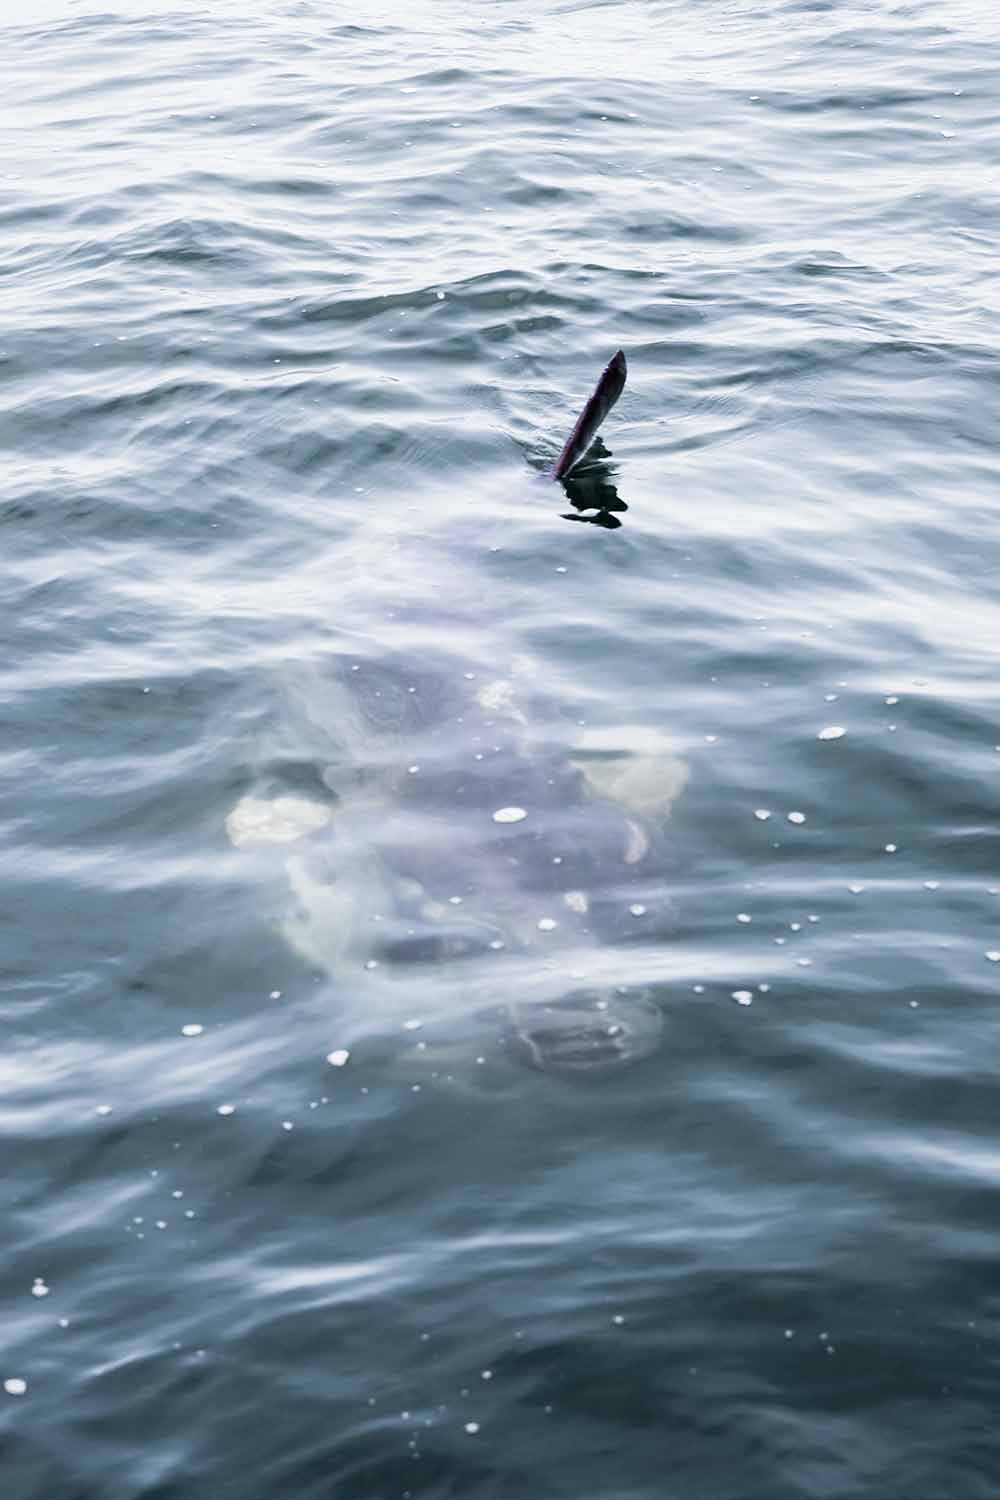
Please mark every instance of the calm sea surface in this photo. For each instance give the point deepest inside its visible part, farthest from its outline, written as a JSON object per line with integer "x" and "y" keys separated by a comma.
{"x": 297, "y": 303}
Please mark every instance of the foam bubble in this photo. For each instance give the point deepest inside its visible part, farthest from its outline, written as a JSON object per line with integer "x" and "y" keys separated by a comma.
{"x": 509, "y": 815}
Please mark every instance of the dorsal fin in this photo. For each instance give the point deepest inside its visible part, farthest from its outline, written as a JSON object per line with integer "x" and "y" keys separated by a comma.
{"x": 606, "y": 393}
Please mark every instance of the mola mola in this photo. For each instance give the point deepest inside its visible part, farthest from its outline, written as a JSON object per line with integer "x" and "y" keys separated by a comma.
{"x": 464, "y": 839}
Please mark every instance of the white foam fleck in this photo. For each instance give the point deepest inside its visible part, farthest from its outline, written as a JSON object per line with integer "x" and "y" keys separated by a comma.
{"x": 796, "y": 817}
{"x": 226, "y": 1109}
{"x": 855, "y": 890}
{"x": 15, "y": 1386}
{"x": 547, "y": 924}
{"x": 38, "y": 1287}
{"x": 743, "y": 997}
{"x": 932, "y": 885}
{"x": 890, "y": 848}
{"x": 192, "y": 1028}
{"x": 509, "y": 815}
{"x": 637, "y": 909}
{"x": 993, "y": 955}
{"x": 473, "y": 1427}
{"x": 743, "y": 916}
{"x": 338, "y": 1058}
{"x": 103, "y": 1109}
{"x": 761, "y": 814}
{"x": 832, "y": 732}
{"x": 412, "y": 1025}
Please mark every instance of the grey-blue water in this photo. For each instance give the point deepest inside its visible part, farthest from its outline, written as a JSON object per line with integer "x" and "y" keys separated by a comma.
{"x": 298, "y": 302}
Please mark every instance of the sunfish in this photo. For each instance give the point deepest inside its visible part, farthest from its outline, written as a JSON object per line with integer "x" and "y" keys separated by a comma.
{"x": 487, "y": 857}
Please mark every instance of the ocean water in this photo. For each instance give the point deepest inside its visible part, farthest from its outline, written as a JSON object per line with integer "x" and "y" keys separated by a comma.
{"x": 298, "y": 302}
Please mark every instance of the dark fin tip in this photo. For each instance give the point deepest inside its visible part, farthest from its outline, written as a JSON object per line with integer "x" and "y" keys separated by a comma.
{"x": 606, "y": 393}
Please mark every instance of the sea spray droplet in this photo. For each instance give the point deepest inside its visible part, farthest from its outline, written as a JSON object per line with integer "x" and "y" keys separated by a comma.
{"x": 509, "y": 815}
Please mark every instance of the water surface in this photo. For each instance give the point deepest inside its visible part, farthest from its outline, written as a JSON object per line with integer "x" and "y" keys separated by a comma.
{"x": 297, "y": 301}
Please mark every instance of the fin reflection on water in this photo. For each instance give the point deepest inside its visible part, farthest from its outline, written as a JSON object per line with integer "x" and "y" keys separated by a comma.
{"x": 591, "y": 488}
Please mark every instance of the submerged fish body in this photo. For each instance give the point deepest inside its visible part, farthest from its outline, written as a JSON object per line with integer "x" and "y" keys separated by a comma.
{"x": 461, "y": 830}
{"x": 495, "y": 867}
